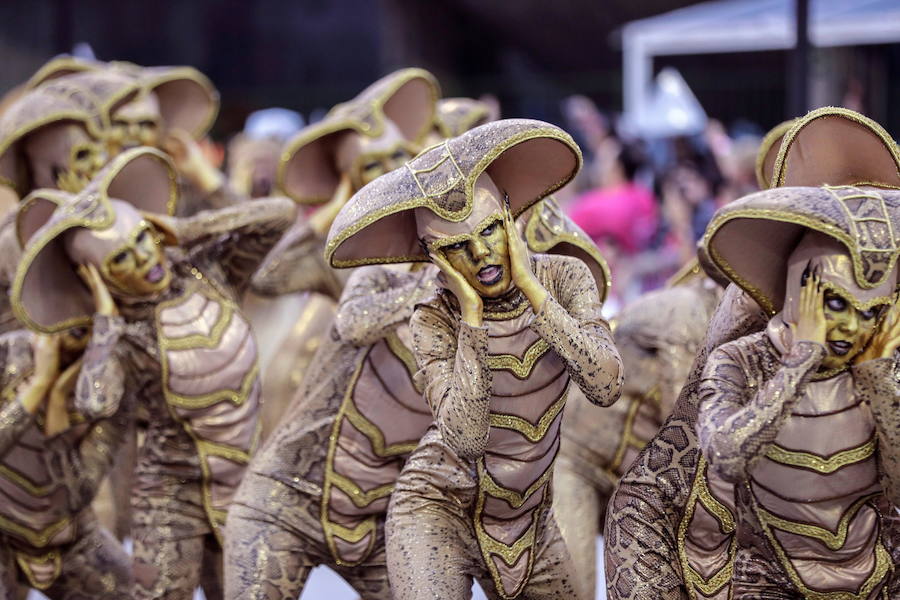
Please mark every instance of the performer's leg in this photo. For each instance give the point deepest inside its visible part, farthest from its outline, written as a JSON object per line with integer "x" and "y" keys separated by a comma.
{"x": 577, "y": 507}
{"x": 264, "y": 559}
{"x": 96, "y": 567}
{"x": 553, "y": 575}
{"x": 168, "y": 547}
{"x": 431, "y": 551}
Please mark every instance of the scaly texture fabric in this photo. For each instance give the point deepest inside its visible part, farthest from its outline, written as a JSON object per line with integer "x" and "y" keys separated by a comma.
{"x": 317, "y": 491}
{"x": 476, "y": 493}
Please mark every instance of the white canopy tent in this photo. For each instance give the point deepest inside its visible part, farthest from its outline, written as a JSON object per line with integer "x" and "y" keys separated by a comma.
{"x": 746, "y": 26}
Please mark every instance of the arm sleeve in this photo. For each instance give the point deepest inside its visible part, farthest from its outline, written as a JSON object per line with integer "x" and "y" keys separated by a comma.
{"x": 576, "y": 331}
{"x": 376, "y": 300}
{"x": 239, "y": 237}
{"x": 736, "y": 422}
{"x": 14, "y": 422}
{"x": 455, "y": 376}
{"x": 876, "y": 383}
{"x": 100, "y": 382}
{"x": 296, "y": 264}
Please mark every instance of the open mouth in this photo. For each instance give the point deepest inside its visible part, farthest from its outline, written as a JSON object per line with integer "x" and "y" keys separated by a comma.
{"x": 490, "y": 274}
{"x": 839, "y": 348}
{"x": 155, "y": 274}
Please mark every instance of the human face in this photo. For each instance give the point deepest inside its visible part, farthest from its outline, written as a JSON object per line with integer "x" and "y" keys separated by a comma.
{"x": 366, "y": 158}
{"x": 63, "y": 156}
{"x": 482, "y": 254}
{"x": 139, "y": 268}
{"x": 848, "y": 329}
{"x": 137, "y": 123}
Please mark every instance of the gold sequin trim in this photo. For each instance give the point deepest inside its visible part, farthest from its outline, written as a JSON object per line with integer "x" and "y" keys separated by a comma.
{"x": 521, "y": 368}
{"x": 532, "y": 432}
{"x": 39, "y": 538}
{"x": 833, "y": 540}
{"x": 819, "y": 464}
{"x": 700, "y": 494}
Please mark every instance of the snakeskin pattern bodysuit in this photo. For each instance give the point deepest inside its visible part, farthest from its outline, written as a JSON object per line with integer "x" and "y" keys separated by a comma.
{"x": 476, "y": 493}
{"x": 49, "y": 539}
{"x": 317, "y": 492}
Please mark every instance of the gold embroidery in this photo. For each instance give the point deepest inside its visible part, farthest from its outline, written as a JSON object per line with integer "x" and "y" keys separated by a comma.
{"x": 883, "y": 562}
{"x": 39, "y": 538}
{"x": 520, "y": 368}
{"x": 832, "y": 540}
{"x": 817, "y": 463}
{"x": 360, "y": 498}
{"x": 533, "y": 433}
{"x": 700, "y": 494}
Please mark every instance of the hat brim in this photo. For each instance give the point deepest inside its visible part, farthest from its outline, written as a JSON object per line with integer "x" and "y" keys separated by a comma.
{"x": 528, "y": 160}
{"x": 837, "y": 146}
{"x": 187, "y": 98}
{"x": 307, "y": 170}
{"x": 768, "y": 153}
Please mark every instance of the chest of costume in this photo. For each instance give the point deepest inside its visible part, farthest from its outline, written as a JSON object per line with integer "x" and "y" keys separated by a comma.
{"x": 210, "y": 380}
{"x": 380, "y": 421}
{"x": 530, "y": 384}
{"x": 815, "y": 492}
{"x": 37, "y": 506}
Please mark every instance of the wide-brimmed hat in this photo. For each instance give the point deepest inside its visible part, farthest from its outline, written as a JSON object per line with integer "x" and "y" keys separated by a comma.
{"x": 87, "y": 98}
{"x": 455, "y": 116}
{"x": 187, "y": 98}
{"x": 307, "y": 171}
{"x": 550, "y": 230}
{"x": 47, "y": 293}
{"x": 749, "y": 240}
{"x": 527, "y": 160}
{"x": 768, "y": 153}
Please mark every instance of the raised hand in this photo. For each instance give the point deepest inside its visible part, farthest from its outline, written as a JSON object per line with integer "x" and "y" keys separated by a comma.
{"x": 811, "y": 324}
{"x": 102, "y": 299}
{"x": 520, "y": 263}
{"x": 46, "y": 370}
{"x": 886, "y": 339}
{"x": 191, "y": 162}
{"x": 470, "y": 303}
{"x": 56, "y": 419}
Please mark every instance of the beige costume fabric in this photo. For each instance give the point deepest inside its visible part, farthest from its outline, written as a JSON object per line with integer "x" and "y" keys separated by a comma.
{"x": 49, "y": 538}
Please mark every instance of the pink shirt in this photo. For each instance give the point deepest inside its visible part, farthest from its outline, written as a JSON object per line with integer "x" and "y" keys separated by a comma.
{"x": 626, "y": 214}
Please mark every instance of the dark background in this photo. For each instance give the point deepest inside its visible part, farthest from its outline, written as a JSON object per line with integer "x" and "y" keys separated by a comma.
{"x": 311, "y": 54}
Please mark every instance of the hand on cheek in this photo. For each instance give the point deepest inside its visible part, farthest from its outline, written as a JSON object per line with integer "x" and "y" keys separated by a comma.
{"x": 520, "y": 263}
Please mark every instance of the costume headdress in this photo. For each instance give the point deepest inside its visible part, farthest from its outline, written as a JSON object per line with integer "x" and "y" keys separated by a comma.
{"x": 307, "y": 171}
{"x": 527, "y": 160}
{"x": 751, "y": 240}
{"x": 768, "y": 152}
{"x": 86, "y": 98}
{"x": 187, "y": 98}
{"x": 47, "y": 292}
{"x": 455, "y": 116}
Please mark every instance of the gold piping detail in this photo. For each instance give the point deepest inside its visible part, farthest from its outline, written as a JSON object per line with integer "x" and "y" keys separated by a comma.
{"x": 532, "y": 432}
{"x": 404, "y": 354}
{"x": 360, "y": 498}
{"x": 817, "y": 463}
{"x": 700, "y": 494}
{"x": 833, "y": 540}
{"x": 39, "y": 538}
{"x": 765, "y": 146}
{"x": 521, "y": 368}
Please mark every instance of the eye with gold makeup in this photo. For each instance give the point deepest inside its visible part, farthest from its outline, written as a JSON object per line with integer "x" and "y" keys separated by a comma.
{"x": 85, "y": 159}
{"x": 139, "y": 267}
{"x": 481, "y": 257}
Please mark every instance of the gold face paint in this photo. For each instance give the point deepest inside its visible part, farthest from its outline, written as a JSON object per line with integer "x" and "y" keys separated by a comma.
{"x": 848, "y": 327}
{"x": 137, "y": 123}
{"x": 370, "y": 165}
{"x": 139, "y": 268}
{"x": 481, "y": 256}
{"x": 85, "y": 159}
